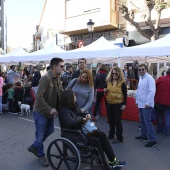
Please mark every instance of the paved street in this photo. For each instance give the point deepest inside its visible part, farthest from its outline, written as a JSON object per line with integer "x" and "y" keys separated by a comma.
{"x": 17, "y": 133}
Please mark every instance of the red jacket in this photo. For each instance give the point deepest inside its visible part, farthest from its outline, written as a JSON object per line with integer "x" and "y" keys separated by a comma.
{"x": 162, "y": 95}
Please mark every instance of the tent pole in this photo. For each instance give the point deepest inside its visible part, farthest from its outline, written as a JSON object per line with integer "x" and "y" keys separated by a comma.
{"x": 91, "y": 64}
{"x": 119, "y": 61}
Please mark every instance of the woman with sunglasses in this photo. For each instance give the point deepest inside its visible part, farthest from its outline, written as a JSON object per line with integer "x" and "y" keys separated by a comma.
{"x": 116, "y": 102}
{"x": 83, "y": 87}
{"x": 71, "y": 117}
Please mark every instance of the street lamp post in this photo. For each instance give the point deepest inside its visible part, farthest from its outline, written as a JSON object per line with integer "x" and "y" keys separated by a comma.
{"x": 90, "y": 27}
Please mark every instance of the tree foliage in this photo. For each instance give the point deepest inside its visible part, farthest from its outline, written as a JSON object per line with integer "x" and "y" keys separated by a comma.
{"x": 129, "y": 15}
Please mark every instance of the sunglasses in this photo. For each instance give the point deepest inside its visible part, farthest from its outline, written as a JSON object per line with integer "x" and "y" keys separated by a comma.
{"x": 141, "y": 69}
{"x": 62, "y": 66}
{"x": 116, "y": 74}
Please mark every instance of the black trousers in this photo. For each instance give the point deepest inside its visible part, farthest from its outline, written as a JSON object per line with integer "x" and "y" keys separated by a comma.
{"x": 10, "y": 105}
{"x": 114, "y": 114}
{"x": 99, "y": 140}
{"x": 98, "y": 100}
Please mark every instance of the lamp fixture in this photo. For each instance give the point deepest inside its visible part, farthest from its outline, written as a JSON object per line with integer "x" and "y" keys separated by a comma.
{"x": 90, "y": 25}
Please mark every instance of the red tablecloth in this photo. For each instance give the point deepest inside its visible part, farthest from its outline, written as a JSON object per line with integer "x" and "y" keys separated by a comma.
{"x": 130, "y": 113}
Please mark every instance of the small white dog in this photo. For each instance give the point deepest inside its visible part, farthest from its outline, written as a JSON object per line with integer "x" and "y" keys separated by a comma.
{"x": 24, "y": 108}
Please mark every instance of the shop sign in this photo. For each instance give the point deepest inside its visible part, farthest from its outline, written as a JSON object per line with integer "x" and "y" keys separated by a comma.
{"x": 80, "y": 44}
{"x": 97, "y": 35}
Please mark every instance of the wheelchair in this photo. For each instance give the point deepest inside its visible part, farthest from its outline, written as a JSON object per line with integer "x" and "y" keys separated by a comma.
{"x": 70, "y": 150}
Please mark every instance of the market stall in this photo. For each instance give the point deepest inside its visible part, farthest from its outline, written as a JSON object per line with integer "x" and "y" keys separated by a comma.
{"x": 131, "y": 111}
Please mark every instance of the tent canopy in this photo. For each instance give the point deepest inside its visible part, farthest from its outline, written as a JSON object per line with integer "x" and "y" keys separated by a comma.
{"x": 99, "y": 51}
{"x": 152, "y": 52}
{"x": 10, "y": 57}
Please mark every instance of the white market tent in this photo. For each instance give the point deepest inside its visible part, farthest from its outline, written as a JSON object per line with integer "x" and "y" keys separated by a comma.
{"x": 10, "y": 57}
{"x": 99, "y": 51}
{"x": 152, "y": 52}
{"x": 28, "y": 58}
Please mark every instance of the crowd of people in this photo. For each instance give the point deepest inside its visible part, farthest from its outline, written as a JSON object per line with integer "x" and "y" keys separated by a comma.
{"x": 73, "y": 99}
{"x": 17, "y": 86}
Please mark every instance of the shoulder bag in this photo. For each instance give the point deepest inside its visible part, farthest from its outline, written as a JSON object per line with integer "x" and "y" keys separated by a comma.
{"x": 89, "y": 128}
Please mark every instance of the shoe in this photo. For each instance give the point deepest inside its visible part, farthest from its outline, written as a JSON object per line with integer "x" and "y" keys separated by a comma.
{"x": 116, "y": 141}
{"x": 110, "y": 137}
{"x": 33, "y": 150}
{"x": 43, "y": 161}
{"x": 151, "y": 144}
{"x": 139, "y": 126}
{"x": 97, "y": 116}
{"x": 141, "y": 138}
{"x": 117, "y": 163}
{"x": 2, "y": 114}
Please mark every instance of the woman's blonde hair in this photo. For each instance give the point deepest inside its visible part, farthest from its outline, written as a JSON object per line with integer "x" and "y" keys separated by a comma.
{"x": 89, "y": 76}
{"x": 120, "y": 79}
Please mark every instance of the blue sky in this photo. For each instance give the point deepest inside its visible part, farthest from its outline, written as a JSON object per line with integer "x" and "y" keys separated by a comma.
{"x": 22, "y": 18}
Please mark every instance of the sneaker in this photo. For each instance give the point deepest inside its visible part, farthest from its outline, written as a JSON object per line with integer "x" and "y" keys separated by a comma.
{"x": 43, "y": 161}
{"x": 116, "y": 141}
{"x": 33, "y": 150}
{"x": 97, "y": 117}
{"x": 117, "y": 163}
{"x": 2, "y": 114}
{"x": 139, "y": 126}
{"x": 141, "y": 138}
{"x": 151, "y": 144}
{"x": 110, "y": 137}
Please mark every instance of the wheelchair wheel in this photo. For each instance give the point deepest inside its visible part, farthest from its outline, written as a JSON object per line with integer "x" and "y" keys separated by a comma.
{"x": 63, "y": 154}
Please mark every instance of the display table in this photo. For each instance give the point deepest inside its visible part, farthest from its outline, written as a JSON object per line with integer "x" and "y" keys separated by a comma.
{"x": 130, "y": 113}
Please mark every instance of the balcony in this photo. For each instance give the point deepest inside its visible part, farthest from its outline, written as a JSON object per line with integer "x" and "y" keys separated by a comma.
{"x": 101, "y": 12}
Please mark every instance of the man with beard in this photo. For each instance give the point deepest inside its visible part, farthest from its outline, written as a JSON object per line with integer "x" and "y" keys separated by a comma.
{"x": 82, "y": 65}
{"x": 46, "y": 106}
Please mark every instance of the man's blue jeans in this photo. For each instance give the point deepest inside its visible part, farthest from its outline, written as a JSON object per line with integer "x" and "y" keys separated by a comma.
{"x": 44, "y": 127}
{"x": 163, "y": 120}
{"x": 147, "y": 129}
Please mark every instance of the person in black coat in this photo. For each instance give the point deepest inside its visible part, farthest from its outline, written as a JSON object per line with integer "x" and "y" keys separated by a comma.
{"x": 35, "y": 80}
{"x": 100, "y": 84}
{"x": 71, "y": 117}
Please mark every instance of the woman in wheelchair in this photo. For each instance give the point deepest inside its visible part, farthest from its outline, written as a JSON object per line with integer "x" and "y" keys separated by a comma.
{"x": 72, "y": 118}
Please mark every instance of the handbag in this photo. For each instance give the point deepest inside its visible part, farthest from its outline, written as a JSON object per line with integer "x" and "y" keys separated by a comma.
{"x": 89, "y": 128}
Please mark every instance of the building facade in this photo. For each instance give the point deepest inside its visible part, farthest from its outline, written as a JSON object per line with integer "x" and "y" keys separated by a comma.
{"x": 3, "y": 26}
{"x": 103, "y": 13}
{"x": 51, "y": 20}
